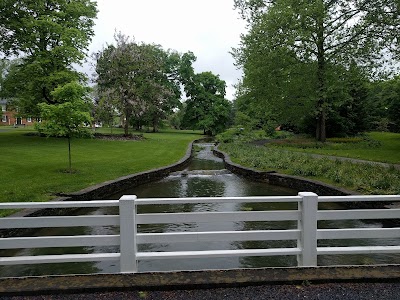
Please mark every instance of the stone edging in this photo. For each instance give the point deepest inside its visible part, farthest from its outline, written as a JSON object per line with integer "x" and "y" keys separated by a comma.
{"x": 274, "y": 178}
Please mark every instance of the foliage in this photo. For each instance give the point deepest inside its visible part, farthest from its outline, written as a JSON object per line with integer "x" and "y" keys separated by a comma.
{"x": 240, "y": 134}
{"x": 176, "y": 119}
{"x": 104, "y": 110}
{"x": 206, "y": 107}
{"x": 364, "y": 178}
{"x": 384, "y": 98}
{"x": 298, "y": 56}
{"x": 97, "y": 160}
{"x": 49, "y": 36}
{"x": 69, "y": 118}
{"x": 142, "y": 81}
{"x": 283, "y": 134}
{"x": 4, "y": 67}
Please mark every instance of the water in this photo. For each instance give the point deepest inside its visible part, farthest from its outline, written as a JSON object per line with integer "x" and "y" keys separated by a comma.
{"x": 205, "y": 176}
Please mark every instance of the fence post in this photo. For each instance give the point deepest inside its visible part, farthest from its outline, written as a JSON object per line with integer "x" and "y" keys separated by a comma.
{"x": 127, "y": 231}
{"x": 307, "y": 224}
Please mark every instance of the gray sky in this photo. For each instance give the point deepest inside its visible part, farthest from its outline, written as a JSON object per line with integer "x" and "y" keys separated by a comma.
{"x": 208, "y": 28}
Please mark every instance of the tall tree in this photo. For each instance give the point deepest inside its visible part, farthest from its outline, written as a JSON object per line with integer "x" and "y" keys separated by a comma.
{"x": 143, "y": 78}
{"x": 50, "y": 36}
{"x": 117, "y": 69}
{"x": 317, "y": 36}
{"x": 206, "y": 107}
{"x": 384, "y": 97}
{"x": 162, "y": 92}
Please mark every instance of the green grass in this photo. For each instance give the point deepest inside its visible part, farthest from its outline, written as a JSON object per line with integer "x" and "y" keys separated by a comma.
{"x": 379, "y": 146}
{"x": 364, "y": 178}
{"x": 32, "y": 166}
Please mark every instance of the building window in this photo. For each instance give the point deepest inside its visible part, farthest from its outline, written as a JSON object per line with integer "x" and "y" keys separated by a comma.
{"x": 3, "y": 107}
{"x": 4, "y": 119}
{"x": 29, "y": 120}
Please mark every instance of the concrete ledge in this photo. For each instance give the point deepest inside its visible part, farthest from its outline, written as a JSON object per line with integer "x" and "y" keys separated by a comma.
{"x": 194, "y": 279}
{"x": 294, "y": 182}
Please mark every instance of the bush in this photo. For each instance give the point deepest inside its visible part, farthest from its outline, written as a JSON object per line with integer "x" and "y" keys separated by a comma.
{"x": 240, "y": 134}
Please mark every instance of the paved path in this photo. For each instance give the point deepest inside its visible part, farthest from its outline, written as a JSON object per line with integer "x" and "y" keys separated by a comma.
{"x": 326, "y": 291}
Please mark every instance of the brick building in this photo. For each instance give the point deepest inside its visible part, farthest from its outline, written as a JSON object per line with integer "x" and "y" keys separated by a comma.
{"x": 10, "y": 117}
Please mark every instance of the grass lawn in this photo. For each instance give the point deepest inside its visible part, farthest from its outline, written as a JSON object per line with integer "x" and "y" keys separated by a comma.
{"x": 388, "y": 150}
{"x": 32, "y": 167}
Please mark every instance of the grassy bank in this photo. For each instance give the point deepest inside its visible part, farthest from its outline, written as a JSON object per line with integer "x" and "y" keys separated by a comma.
{"x": 377, "y": 146}
{"x": 33, "y": 168}
{"x": 364, "y": 178}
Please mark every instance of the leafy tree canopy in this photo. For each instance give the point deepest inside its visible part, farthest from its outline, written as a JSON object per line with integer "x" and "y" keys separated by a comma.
{"x": 297, "y": 53}
{"x": 142, "y": 80}
{"x": 206, "y": 107}
{"x": 70, "y": 117}
{"x": 49, "y": 36}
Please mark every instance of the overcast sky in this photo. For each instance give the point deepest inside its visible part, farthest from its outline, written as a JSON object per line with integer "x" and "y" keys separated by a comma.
{"x": 208, "y": 28}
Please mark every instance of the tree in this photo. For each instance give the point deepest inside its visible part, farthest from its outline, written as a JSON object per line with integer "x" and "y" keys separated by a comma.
{"x": 143, "y": 78}
{"x": 206, "y": 107}
{"x": 104, "y": 110}
{"x": 70, "y": 117}
{"x": 49, "y": 36}
{"x": 384, "y": 98}
{"x": 161, "y": 93}
{"x": 314, "y": 38}
{"x": 122, "y": 73}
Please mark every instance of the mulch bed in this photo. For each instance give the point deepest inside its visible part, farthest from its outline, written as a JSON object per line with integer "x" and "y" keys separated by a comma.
{"x": 118, "y": 137}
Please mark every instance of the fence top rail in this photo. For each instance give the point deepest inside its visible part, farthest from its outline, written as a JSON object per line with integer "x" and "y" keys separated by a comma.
{"x": 147, "y": 201}
{"x": 65, "y": 204}
{"x": 359, "y": 198}
{"x": 194, "y": 200}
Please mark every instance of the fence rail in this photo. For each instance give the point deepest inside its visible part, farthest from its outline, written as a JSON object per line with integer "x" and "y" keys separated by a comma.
{"x": 306, "y": 234}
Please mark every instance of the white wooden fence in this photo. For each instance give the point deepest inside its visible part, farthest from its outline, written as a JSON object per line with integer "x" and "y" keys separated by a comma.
{"x": 307, "y": 233}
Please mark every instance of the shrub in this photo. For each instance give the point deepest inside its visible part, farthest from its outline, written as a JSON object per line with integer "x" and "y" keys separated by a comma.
{"x": 240, "y": 134}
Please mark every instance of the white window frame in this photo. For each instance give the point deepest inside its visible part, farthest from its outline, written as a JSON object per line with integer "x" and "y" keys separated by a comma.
{"x": 4, "y": 118}
{"x": 29, "y": 120}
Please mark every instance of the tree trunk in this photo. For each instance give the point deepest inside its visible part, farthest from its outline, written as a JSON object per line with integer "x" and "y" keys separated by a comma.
{"x": 321, "y": 74}
{"x": 154, "y": 125}
{"x": 69, "y": 153}
{"x": 126, "y": 124}
{"x": 321, "y": 127}
{"x": 317, "y": 129}
{"x": 126, "y": 128}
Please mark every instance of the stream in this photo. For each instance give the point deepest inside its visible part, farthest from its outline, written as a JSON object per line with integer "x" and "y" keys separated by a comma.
{"x": 205, "y": 176}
